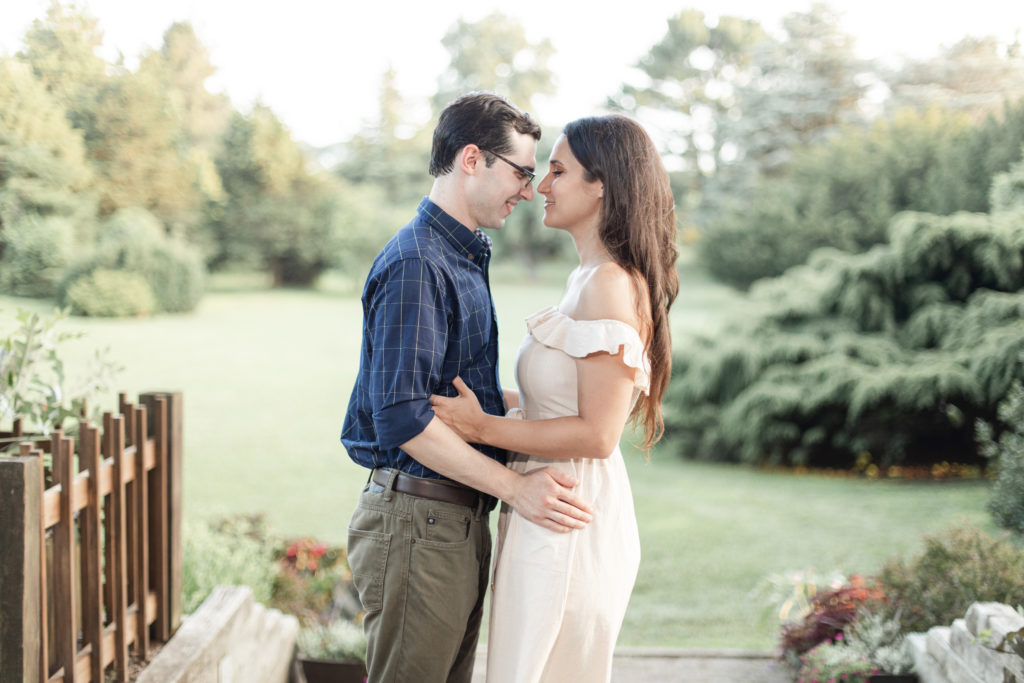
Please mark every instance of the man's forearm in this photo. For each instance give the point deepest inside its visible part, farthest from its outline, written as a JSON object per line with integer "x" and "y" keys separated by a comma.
{"x": 441, "y": 449}
{"x": 543, "y": 496}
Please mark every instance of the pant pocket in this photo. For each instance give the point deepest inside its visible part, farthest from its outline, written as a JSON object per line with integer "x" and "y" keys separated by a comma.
{"x": 368, "y": 559}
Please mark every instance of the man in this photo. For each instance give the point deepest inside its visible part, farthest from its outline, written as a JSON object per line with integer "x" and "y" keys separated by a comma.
{"x": 419, "y": 542}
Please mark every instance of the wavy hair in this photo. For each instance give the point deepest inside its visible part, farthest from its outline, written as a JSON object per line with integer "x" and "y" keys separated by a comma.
{"x": 638, "y": 228}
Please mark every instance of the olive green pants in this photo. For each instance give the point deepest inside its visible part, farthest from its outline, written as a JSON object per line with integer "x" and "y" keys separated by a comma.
{"x": 421, "y": 569}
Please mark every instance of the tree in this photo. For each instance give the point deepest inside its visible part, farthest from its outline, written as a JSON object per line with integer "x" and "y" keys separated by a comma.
{"x": 890, "y": 355}
{"x": 494, "y": 54}
{"x": 134, "y": 145}
{"x": 277, "y": 215}
{"x": 180, "y": 68}
{"x": 62, "y": 51}
{"x": 47, "y": 211}
{"x": 977, "y": 77}
{"x": 388, "y": 152}
{"x": 689, "y": 81}
{"x": 738, "y": 102}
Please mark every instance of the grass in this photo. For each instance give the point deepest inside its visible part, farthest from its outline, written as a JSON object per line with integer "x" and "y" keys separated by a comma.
{"x": 266, "y": 377}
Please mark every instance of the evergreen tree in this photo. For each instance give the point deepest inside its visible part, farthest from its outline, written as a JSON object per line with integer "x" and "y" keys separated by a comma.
{"x": 889, "y": 356}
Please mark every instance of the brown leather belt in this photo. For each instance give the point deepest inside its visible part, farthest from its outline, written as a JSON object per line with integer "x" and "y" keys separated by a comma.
{"x": 431, "y": 489}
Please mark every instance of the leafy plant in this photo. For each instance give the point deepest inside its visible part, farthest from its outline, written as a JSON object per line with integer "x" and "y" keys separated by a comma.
{"x": 830, "y": 613}
{"x": 34, "y": 385}
{"x": 828, "y": 661}
{"x": 959, "y": 567}
{"x": 233, "y": 550}
{"x": 339, "y": 639}
{"x": 1007, "y": 452}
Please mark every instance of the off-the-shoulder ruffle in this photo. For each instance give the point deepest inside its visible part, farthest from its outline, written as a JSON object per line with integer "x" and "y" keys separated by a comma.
{"x": 580, "y": 338}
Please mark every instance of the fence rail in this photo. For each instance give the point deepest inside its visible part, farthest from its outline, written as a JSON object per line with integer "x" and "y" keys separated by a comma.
{"x": 91, "y": 561}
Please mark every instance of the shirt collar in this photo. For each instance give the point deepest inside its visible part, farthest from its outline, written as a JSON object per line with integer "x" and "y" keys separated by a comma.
{"x": 470, "y": 243}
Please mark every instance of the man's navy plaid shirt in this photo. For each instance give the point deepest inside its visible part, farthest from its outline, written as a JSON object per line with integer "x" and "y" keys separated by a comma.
{"x": 428, "y": 317}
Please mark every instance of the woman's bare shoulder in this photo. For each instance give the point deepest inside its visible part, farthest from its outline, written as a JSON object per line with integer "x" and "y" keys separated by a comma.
{"x": 609, "y": 293}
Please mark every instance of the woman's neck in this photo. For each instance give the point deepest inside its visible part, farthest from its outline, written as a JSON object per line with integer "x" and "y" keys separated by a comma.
{"x": 590, "y": 248}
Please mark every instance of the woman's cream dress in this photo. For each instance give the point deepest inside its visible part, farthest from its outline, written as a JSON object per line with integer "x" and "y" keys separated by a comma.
{"x": 559, "y": 598}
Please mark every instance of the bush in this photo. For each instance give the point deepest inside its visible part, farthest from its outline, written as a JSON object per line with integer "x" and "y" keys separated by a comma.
{"x": 233, "y": 551}
{"x": 110, "y": 294}
{"x": 955, "y": 569}
{"x": 1007, "y": 501}
{"x": 36, "y": 251}
{"x": 890, "y": 355}
{"x": 133, "y": 242}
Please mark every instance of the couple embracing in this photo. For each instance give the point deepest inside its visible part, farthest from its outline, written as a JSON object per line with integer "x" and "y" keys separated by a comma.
{"x": 444, "y": 442}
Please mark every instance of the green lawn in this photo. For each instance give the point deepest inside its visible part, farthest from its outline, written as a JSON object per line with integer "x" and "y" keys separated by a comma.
{"x": 266, "y": 377}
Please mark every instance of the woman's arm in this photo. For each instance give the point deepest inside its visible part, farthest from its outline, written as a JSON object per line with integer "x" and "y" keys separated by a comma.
{"x": 605, "y": 391}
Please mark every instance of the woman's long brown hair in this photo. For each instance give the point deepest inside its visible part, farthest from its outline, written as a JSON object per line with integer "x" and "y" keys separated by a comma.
{"x": 638, "y": 227}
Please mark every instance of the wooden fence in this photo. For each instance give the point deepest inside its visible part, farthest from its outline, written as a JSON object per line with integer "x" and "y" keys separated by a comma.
{"x": 90, "y": 556}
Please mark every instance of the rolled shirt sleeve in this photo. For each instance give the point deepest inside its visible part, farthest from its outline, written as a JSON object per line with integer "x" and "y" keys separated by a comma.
{"x": 408, "y": 327}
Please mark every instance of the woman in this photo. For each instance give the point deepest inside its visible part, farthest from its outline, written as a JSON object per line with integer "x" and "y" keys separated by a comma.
{"x": 600, "y": 357}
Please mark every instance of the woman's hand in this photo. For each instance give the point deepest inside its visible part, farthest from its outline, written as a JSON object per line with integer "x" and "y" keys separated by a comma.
{"x": 462, "y": 413}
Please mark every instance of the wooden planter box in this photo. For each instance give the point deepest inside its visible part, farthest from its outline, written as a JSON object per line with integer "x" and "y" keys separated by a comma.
{"x": 893, "y": 678}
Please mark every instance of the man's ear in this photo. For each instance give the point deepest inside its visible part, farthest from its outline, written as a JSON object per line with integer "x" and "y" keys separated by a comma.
{"x": 469, "y": 158}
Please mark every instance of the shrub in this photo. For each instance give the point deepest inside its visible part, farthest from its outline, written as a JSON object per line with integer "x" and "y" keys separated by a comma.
{"x": 340, "y": 639}
{"x": 894, "y": 353}
{"x": 962, "y": 566}
{"x": 133, "y": 242}
{"x": 1007, "y": 501}
{"x": 36, "y": 251}
{"x": 110, "y": 294}
{"x": 232, "y": 551}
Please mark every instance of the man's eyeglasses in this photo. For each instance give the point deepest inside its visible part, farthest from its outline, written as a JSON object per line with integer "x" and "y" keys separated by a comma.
{"x": 526, "y": 174}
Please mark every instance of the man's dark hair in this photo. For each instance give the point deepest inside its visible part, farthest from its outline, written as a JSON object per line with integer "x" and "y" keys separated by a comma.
{"x": 483, "y": 119}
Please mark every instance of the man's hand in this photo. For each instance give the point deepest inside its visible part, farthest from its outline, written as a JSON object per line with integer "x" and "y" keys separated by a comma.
{"x": 544, "y": 497}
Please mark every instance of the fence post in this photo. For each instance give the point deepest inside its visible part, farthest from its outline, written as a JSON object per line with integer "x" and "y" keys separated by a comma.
{"x": 20, "y": 599}
{"x": 172, "y": 496}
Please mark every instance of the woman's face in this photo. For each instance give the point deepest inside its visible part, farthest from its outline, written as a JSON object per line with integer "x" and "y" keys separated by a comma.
{"x": 569, "y": 200}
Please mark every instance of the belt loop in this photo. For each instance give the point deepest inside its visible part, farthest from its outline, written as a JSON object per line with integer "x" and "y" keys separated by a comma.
{"x": 481, "y": 501}
{"x": 389, "y": 488}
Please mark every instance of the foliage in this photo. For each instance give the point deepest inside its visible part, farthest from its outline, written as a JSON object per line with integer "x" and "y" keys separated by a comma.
{"x": 311, "y": 581}
{"x": 314, "y": 583}
{"x": 340, "y": 639}
{"x": 494, "y": 54}
{"x": 34, "y": 383}
{"x": 1007, "y": 453}
{"x": 889, "y": 355}
{"x": 959, "y": 567}
{"x": 789, "y": 595}
{"x": 104, "y": 293}
{"x": 872, "y": 643}
{"x": 844, "y": 192}
{"x": 135, "y": 245}
{"x": 36, "y": 251}
{"x": 232, "y": 551}
{"x": 45, "y": 207}
{"x": 277, "y": 214}
{"x": 975, "y": 76}
{"x": 830, "y": 613}
{"x": 830, "y": 662}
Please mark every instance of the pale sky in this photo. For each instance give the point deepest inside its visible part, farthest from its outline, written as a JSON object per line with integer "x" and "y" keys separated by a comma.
{"x": 318, "y": 63}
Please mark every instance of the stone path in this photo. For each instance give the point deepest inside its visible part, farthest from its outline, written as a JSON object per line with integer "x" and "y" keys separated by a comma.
{"x": 669, "y": 665}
